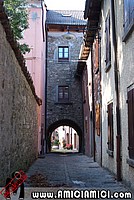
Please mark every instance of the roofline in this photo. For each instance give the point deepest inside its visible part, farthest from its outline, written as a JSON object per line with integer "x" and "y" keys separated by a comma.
{"x": 66, "y": 10}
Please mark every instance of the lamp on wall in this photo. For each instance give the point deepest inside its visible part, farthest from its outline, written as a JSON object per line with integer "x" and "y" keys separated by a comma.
{"x": 68, "y": 35}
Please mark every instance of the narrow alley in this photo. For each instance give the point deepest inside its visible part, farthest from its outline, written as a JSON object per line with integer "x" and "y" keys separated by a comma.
{"x": 66, "y": 99}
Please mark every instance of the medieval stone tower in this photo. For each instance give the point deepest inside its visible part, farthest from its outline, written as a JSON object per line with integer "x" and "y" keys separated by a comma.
{"x": 64, "y": 92}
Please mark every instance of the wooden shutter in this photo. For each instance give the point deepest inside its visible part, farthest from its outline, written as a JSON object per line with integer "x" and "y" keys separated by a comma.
{"x": 110, "y": 127}
{"x": 108, "y": 42}
{"x": 97, "y": 119}
{"x": 131, "y": 123}
{"x": 75, "y": 140}
{"x": 68, "y": 138}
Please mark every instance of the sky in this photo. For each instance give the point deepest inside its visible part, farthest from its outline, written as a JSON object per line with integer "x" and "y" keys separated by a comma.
{"x": 65, "y": 4}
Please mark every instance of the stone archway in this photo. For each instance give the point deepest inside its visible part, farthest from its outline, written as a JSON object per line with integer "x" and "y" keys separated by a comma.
{"x": 64, "y": 122}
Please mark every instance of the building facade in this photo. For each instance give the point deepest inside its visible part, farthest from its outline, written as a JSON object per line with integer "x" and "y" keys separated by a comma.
{"x": 64, "y": 92}
{"x": 35, "y": 37}
{"x": 112, "y": 24}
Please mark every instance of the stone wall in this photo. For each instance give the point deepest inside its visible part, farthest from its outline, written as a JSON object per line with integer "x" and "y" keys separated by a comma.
{"x": 18, "y": 114}
{"x": 63, "y": 73}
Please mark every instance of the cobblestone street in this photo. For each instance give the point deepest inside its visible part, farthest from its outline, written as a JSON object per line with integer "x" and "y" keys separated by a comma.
{"x": 68, "y": 172}
{"x": 71, "y": 171}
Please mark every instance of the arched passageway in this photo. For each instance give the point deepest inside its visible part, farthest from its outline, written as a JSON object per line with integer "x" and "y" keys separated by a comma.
{"x": 65, "y": 123}
{"x": 64, "y": 139}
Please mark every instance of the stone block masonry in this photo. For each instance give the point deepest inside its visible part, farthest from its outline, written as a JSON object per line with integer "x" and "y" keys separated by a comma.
{"x": 18, "y": 113}
{"x": 63, "y": 74}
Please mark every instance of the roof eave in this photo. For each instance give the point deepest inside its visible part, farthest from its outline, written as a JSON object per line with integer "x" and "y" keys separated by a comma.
{"x": 92, "y": 12}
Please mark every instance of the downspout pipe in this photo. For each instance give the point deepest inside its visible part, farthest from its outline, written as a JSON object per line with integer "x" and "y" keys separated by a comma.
{"x": 43, "y": 20}
{"x": 46, "y": 136}
{"x": 81, "y": 137}
{"x": 93, "y": 106}
{"x": 44, "y": 33}
{"x": 99, "y": 64}
{"x": 117, "y": 91}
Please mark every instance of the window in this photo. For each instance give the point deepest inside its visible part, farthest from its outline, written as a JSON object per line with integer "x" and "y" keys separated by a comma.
{"x": 128, "y": 13}
{"x": 63, "y": 53}
{"x": 131, "y": 123}
{"x": 108, "y": 43}
{"x": 128, "y": 18}
{"x": 63, "y": 94}
{"x": 110, "y": 127}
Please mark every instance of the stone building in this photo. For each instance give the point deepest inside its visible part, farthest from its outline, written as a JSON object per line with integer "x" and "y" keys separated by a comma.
{"x": 114, "y": 21}
{"x": 18, "y": 102}
{"x": 64, "y": 91}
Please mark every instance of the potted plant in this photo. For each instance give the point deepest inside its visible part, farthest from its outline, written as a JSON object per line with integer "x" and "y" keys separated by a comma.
{"x": 69, "y": 146}
{"x": 55, "y": 144}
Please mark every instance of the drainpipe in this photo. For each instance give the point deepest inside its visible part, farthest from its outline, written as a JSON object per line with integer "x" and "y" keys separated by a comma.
{"x": 99, "y": 60}
{"x": 93, "y": 106}
{"x": 46, "y": 136}
{"x": 43, "y": 20}
{"x": 116, "y": 75}
{"x": 44, "y": 32}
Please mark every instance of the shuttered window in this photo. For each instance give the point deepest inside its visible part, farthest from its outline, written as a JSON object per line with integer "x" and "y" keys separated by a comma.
{"x": 97, "y": 118}
{"x": 128, "y": 13}
{"x": 131, "y": 123}
{"x": 110, "y": 128}
{"x": 108, "y": 42}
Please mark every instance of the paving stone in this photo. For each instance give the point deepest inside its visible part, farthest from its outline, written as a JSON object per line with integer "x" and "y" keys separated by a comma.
{"x": 75, "y": 172}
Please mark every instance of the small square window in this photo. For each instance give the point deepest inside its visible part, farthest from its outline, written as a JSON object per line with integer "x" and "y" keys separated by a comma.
{"x": 63, "y": 53}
